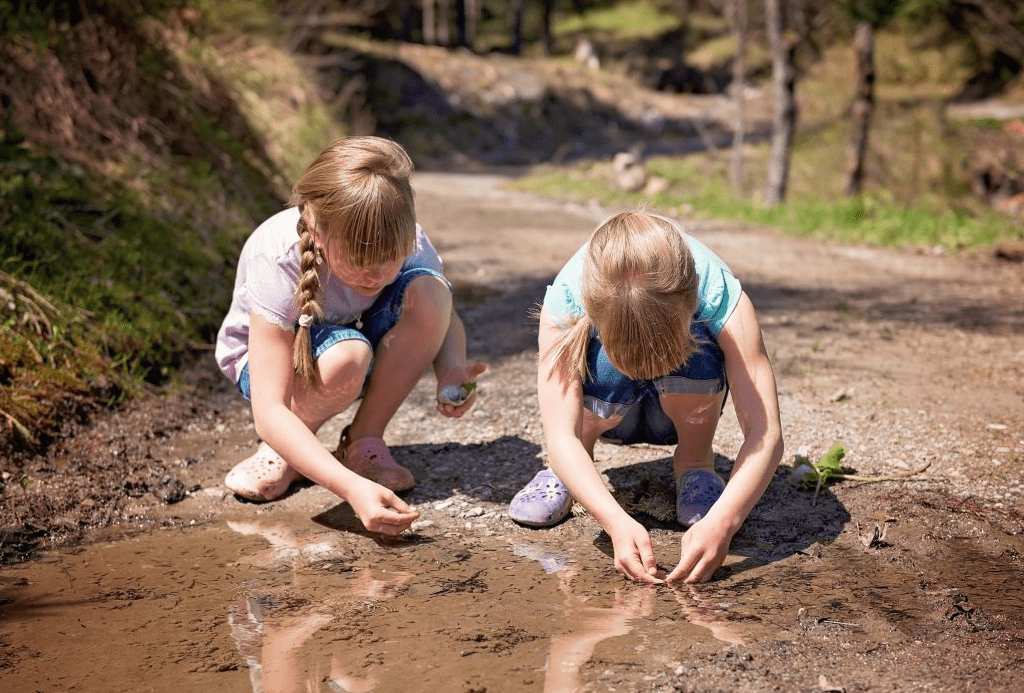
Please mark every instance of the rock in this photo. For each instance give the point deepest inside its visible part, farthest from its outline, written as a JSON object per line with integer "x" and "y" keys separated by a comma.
{"x": 629, "y": 172}
{"x": 453, "y": 395}
{"x": 802, "y": 474}
{"x": 655, "y": 186}
{"x": 586, "y": 53}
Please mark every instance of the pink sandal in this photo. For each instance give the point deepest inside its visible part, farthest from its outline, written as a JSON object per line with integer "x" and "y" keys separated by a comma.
{"x": 262, "y": 477}
{"x": 370, "y": 458}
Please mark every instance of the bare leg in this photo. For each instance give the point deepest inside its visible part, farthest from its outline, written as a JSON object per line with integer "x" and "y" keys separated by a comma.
{"x": 340, "y": 373}
{"x": 696, "y": 420}
{"x": 593, "y": 427}
{"x": 404, "y": 354}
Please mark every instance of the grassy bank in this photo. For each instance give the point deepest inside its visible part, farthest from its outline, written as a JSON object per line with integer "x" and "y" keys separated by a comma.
{"x": 120, "y": 232}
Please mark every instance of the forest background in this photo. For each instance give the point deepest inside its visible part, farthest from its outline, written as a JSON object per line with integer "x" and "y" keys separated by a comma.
{"x": 142, "y": 140}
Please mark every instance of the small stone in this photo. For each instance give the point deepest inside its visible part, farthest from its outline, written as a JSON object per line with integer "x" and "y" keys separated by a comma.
{"x": 454, "y": 394}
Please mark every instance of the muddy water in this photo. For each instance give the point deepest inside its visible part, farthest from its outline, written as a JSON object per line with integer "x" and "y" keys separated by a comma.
{"x": 286, "y": 604}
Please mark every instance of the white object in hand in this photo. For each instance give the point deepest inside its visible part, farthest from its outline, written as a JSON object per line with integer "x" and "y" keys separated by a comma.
{"x": 453, "y": 395}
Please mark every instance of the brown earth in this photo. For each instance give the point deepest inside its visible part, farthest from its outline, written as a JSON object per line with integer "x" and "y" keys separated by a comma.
{"x": 915, "y": 361}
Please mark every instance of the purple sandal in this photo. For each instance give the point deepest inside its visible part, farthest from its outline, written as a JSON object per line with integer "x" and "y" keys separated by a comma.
{"x": 543, "y": 502}
{"x": 696, "y": 492}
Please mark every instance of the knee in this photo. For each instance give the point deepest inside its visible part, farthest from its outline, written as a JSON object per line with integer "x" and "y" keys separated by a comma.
{"x": 427, "y": 299}
{"x": 343, "y": 367}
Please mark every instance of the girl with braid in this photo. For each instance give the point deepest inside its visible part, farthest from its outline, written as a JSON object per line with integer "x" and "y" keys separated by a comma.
{"x": 642, "y": 335}
{"x": 341, "y": 297}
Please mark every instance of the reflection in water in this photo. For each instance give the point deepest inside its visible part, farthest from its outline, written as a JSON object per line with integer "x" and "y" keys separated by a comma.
{"x": 270, "y": 628}
{"x": 588, "y": 625}
{"x": 699, "y": 613}
{"x": 312, "y": 586}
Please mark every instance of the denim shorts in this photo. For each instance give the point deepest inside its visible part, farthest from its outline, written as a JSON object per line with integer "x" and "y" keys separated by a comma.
{"x": 609, "y": 393}
{"x": 377, "y": 321}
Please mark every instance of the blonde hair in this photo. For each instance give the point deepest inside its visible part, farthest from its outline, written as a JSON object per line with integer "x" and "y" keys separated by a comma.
{"x": 357, "y": 195}
{"x": 640, "y": 289}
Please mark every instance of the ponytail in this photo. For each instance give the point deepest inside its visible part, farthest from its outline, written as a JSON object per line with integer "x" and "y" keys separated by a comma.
{"x": 566, "y": 357}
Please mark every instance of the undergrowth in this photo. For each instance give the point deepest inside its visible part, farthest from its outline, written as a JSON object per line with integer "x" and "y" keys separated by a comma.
{"x": 96, "y": 291}
{"x": 117, "y": 259}
{"x": 703, "y": 192}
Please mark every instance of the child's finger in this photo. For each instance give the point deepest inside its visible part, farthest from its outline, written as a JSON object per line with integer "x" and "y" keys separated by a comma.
{"x": 682, "y": 570}
{"x": 399, "y": 506}
{"x": 393, "y": 523}
{"x": 635, "y": 570}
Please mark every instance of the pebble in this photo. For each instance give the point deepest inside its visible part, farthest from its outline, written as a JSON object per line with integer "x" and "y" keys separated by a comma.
{"x": 453, "y": 394}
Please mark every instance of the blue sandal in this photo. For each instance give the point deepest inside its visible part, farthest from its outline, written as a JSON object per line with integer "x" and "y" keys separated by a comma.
{"x": 543, "y": 502}
{"x": 696, "y": 492}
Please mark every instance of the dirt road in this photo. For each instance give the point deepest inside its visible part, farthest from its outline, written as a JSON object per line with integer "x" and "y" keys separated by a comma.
{"x": 914, "y": 361}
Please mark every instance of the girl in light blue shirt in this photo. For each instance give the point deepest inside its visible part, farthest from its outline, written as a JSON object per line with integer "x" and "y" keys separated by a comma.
{"x": 642, "y": 335}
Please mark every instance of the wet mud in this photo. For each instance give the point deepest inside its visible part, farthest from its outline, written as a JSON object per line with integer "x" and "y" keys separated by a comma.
{"x": 300, "y": 603}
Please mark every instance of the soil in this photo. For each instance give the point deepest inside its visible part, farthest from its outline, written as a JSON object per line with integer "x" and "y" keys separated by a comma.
{"x": 915, "y": 361}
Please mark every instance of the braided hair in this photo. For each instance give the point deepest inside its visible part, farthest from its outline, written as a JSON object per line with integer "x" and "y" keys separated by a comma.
{"x": 307, "y": 295}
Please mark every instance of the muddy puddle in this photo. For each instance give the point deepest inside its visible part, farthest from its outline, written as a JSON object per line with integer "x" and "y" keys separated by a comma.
{"x": 288, "y": 604}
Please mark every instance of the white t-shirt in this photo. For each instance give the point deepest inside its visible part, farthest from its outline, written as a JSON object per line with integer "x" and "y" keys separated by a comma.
{"x": 266, "y": 281}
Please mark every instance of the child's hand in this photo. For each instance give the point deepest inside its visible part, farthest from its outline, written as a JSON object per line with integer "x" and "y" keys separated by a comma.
{"x": 379, "y": 509}
{"x": 634, "y": 555}
{"x": 456, "y": 389}
{"x": 704, "y": 547}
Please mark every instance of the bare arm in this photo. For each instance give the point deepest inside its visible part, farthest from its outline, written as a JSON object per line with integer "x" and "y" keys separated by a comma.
{"x": 755, "y": 399}
{"x": 450, "y": 367}
{"x": 561, "y": 410}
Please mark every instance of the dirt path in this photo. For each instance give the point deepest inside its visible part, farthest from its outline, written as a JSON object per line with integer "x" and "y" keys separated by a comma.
{"x": 908, "y": 359}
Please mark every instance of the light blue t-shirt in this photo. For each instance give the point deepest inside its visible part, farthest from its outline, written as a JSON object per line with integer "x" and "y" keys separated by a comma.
{"x": 718, "y": 294}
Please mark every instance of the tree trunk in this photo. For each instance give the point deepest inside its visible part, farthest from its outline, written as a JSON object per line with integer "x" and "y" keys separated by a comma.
{"x": 469, "y": 23}
{"x": 784, "y": 96}
{"x": 863, "y": 107}
{"x": 430, "y": 22}
{"x": 408, "y": 15}
{"x": 545, "y": 27}
{"x": 444, "y": 17}
{"x": 738, "y": 19}
{"x": 518, "y": 10}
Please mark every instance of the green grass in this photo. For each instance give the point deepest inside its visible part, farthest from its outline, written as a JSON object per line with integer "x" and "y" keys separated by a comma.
{"x": 97, "y": 288}
{"x": 623, "y": 21}
{"x": 699, "y": 188}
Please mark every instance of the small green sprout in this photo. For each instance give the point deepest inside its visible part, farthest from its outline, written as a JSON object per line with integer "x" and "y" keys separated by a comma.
{"x": 807, "y": 475}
